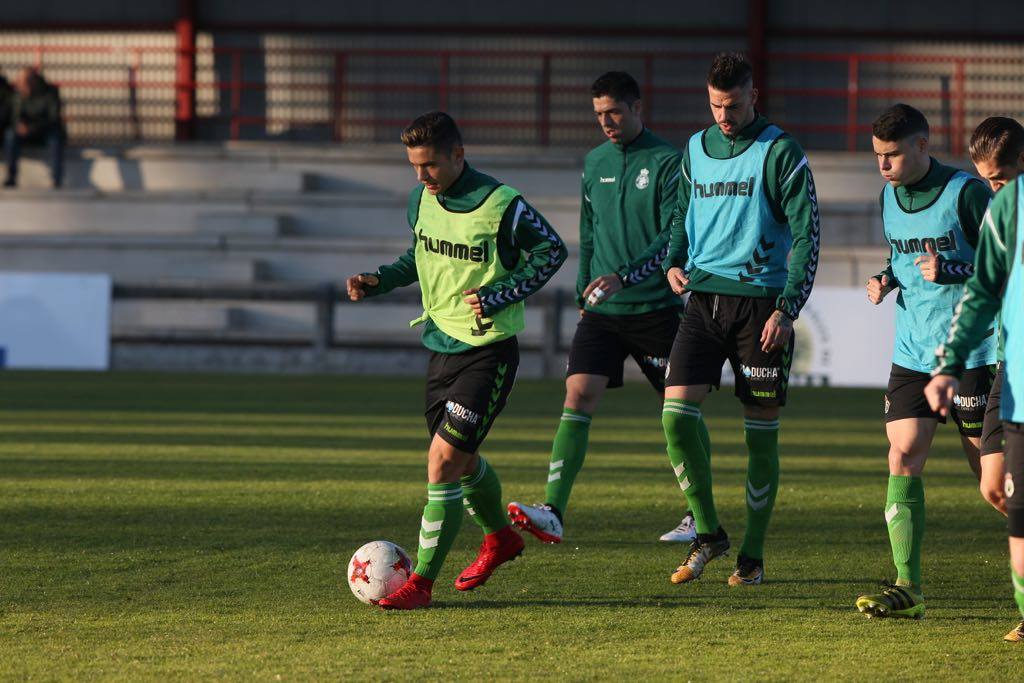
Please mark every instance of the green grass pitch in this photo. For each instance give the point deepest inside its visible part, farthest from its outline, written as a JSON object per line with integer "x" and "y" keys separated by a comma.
{"x": 196, "y": 527}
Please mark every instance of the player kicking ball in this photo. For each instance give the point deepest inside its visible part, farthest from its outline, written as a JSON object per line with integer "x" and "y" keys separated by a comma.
{"x": 931, "y": 214}
{"x": 479, "y": 249}
{"x": 998, "y": 281}
{"x": 629, "y": 186}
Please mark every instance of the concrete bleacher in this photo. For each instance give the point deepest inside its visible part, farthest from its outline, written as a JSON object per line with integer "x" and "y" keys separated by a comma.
{"x": 253, "y": 212}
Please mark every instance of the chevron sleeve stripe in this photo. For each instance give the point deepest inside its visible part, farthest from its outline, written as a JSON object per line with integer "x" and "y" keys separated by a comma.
{"x": 954, "y": 272}
{"x": 647, "y": 269}
{"x": 804, "y": 256}
{"x": 546, "y": 254}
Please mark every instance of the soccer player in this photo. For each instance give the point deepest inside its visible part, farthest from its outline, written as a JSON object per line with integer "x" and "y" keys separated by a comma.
{"x": 998, "y": 281}
{"x": 479, "y": 249}
{"x": 744, "y": 242}
{"x": 930, "y": 214}
{"x": 629, "y": 185}
{"x": 997, "y": 150}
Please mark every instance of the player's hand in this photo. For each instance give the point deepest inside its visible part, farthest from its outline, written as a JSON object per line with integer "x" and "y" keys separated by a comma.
{"x": 940, "y": 392}
{"x": 602, "y": 288}
{"x": 473, "y": 299}
{"x": 776, "y": 333}
{"x": 929, "y": 263}
{"x": 878, "y": 288}
{"x": 357, "y": 285}
{"x": 993, "y": 484}
{"x": 677, "y": 280}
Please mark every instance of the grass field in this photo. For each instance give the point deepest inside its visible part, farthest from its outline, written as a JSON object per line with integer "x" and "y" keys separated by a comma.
{"x": 196, "y": 527}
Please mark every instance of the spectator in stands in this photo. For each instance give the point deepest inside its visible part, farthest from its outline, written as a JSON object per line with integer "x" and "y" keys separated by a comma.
{"x": 36, "y": 120}
{"x": 6, "y": 103}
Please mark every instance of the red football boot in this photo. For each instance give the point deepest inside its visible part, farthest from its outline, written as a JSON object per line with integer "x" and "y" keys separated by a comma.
{"x": 413, "y": 594}
{"x": 497, "y": 548}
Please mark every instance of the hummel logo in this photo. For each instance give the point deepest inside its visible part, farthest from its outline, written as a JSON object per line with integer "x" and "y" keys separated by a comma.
{"x": 607, "y": 180}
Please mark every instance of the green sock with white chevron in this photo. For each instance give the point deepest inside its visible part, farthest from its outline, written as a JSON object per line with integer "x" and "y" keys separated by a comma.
{"x": 905, "y": 517}
{"x": 690, "y": 461}
{"x": 481, "y": 495}
{"x": 762, "y": 438}
{"x": 1018, "y": 590}
{"x": 442, "y": 517}
{"x": 567, "y": 453}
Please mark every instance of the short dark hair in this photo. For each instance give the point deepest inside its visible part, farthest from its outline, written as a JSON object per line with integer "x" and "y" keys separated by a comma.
{"x": 433, "y": 129}
{"x": 730, "y": 70}
{"x": 618, "y": 85}
{"x": 997, "y": 138}
{"x": 898, "y": 122}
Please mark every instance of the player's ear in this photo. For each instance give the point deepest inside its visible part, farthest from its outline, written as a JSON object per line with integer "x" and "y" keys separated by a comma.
{"x": 753, "y": 97}
{"x": 458, "y": 154}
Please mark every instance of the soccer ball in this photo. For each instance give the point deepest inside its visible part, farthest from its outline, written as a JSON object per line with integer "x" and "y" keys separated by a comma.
{"x": 377, "y": 570}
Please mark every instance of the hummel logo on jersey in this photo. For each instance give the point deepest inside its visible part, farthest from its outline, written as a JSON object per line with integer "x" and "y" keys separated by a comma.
{"x": 919, "y": 245}
{"x": 759, "y": 373}
{"x": 606, "y": 180}
{"x": 462, "y": 412}
{"x": 970, "y": 402}
{"x": 462, "y": 252}
{"x": 724, "y": 189}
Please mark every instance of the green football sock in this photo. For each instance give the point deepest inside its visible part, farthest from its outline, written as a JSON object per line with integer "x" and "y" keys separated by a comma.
{"x": 1018, "y": 590}
{"x": 442, "y": 517}
{"x": 567, "y": 454}
{"x": 762, "y": 482}
{"x": 481, "y": 494}
{"x": 905, "y": 517}
{"x": 690, "y": 461}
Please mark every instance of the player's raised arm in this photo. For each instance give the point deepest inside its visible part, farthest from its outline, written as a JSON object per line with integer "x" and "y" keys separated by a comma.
{"x": 523, "y": 229}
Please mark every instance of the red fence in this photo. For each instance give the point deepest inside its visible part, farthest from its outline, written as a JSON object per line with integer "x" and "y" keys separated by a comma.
{"x": 530, "y": 97}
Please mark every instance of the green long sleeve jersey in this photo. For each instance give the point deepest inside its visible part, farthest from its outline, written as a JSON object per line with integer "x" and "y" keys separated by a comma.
{"x": 971, "y": 205}
{"x": 789, "y": 186}
{"x": 982, "y": 297}
{"x": 523, "y": 232}
{"x": 628, "y": 193}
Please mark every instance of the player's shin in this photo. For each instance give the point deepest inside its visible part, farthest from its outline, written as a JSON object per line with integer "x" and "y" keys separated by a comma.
{"x": 905, "y": 518}
{"x": 690, "y": 461}
{"x": 762, "y": 438}
{"x": 481, "y": 493}
{"x": 567, "y": 454}
{"x": 442, "y": 517}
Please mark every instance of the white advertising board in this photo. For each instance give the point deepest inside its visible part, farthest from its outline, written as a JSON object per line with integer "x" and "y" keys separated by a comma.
{"x": 842, "y": 340}
{"x": 55, "y": 321}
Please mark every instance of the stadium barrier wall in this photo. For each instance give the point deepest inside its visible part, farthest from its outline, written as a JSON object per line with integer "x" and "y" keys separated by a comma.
{"x": 842, "y": 340}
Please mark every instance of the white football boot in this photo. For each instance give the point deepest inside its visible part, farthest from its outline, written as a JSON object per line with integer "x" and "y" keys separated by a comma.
{"x": 686, "y": 532}
{"x": 539, "y": 520}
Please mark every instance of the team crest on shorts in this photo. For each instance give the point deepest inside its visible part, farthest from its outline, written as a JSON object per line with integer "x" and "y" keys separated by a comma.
{"x": 1008, "y": 485}
{"x": 643, "y": 180}
{"x": 887, "y": 404}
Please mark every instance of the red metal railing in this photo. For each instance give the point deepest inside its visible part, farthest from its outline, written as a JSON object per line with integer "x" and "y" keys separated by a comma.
{"x": 348, "y": 79}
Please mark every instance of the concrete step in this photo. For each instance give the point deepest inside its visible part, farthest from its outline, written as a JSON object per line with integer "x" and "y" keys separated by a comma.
{"x": 243, "y": 224}
{"x": 96, "y": 171}
{"x": 198, "y": 315}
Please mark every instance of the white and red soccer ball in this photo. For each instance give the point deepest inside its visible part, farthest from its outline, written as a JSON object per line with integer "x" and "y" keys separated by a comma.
{"x": 377, "y": 570}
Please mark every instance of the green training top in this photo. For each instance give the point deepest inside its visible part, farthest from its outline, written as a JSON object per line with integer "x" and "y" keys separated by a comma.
{"x": 983, "y": 292}
{"x": 626, "y": 209}
{"x": 522, "y": 232}
{"x": 789, "y": 187}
